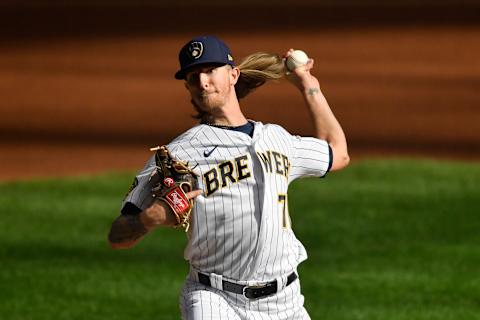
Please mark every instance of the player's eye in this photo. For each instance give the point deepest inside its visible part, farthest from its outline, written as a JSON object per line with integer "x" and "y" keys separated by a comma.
{"x": 192, "y": 77}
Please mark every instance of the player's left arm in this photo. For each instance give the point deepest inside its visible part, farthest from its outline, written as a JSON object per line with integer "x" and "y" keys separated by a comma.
{"x": 326, "y": 124}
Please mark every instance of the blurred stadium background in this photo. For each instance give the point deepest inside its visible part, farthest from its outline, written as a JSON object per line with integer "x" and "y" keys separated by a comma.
{"x": 88, "y": 86}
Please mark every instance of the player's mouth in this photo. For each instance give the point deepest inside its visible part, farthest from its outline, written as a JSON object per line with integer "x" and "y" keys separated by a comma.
{"x": 205, "y": 94}
{"x": 208, "y": 97}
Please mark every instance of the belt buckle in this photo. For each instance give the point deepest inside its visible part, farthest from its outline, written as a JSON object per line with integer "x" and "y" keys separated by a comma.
{"x": 254, "y": 287}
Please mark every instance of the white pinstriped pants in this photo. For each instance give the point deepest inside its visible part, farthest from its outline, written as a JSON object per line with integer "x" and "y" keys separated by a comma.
{"x": 200, "y": 302}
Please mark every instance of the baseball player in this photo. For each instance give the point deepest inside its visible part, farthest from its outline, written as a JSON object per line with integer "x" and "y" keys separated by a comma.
{"x": 242, "y": 251}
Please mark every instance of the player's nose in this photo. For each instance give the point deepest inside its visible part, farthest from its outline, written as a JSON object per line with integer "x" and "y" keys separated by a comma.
{"x": 204, "y": 80}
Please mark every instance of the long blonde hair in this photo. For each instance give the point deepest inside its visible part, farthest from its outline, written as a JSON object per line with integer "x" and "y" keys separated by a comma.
{"x": 256, "y": 69}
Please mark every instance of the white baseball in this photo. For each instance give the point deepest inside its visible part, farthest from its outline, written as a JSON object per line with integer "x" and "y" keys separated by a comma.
{"x": 296, "y": 59}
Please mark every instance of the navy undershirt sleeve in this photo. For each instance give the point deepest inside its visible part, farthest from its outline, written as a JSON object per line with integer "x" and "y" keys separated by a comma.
{"x": 130, "y": 209}
{"x": 330, "y": 161}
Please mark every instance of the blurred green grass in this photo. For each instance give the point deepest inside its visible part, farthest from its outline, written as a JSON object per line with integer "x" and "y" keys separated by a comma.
{"x": 387, "y": 239}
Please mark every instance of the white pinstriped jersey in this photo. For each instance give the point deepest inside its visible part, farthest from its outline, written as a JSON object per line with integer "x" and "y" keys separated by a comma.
{"x": 240, "y": 226}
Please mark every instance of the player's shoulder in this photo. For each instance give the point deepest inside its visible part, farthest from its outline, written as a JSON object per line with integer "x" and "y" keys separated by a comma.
{"x": 275, "y": 128}
{"x": 187, "y": 143}
{"x": 189, "y": 136}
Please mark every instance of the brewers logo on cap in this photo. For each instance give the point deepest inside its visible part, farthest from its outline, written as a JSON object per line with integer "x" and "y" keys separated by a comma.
{"x": 203, "y": 50}
{"x": 195, "y": 49}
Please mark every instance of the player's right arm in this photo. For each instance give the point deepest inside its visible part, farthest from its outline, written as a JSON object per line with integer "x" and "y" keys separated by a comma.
{"x": 326, "y": 125}
{"x": 128, "y": 229}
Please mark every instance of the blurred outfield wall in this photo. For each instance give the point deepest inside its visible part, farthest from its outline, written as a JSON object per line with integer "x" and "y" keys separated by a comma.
{"x": 402, "y": 77}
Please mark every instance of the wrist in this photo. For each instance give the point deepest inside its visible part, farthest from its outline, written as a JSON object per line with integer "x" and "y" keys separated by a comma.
{"x": 146, "y": 220}
{"x": 151, "y": 217}
{"x": 306, "y": 84}
{"x": 311, "y": 91}
{"x": 159, "y": 213}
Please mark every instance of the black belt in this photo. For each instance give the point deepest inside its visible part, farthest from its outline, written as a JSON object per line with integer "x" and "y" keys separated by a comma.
{"x": 251, "y": 292}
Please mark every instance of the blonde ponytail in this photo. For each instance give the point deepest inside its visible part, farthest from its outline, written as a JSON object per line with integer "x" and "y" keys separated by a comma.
{"x": 256, "y": 69}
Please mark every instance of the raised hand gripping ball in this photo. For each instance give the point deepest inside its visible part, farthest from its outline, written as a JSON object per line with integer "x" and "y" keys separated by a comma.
{"x": 297, "y": 59}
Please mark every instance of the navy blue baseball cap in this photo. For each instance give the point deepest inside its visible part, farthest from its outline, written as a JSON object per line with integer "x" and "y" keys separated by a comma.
{"x": 203, "y": 50}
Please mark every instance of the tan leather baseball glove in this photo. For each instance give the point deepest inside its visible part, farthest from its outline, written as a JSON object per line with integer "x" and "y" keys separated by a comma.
{"x": 175, "y": 179}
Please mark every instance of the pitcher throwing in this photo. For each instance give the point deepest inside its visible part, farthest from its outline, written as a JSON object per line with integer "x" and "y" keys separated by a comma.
{"x": 242, "y": 251}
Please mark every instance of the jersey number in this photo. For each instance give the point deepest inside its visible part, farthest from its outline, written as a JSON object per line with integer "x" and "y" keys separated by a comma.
{"x": 285, "y": 216}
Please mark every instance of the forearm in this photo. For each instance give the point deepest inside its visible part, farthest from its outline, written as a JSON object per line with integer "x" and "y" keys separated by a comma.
{"x": 326, "y": 124}
{"x": 128, "y": 230}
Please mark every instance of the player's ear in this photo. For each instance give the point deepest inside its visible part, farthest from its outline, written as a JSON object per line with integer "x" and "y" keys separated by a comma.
{"x": 234, "y": 75}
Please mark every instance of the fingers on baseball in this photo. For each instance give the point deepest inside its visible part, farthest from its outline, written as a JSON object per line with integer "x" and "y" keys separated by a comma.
{"x": 310, "y": 63}
{"x": 287, "y": 54}
{"x": 305, "y": 68}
